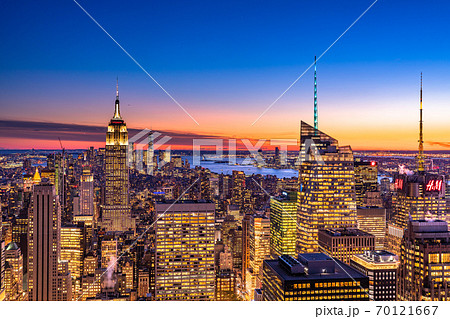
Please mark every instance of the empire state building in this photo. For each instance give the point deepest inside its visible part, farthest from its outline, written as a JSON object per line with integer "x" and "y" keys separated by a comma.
{"x": 116, "y": 214}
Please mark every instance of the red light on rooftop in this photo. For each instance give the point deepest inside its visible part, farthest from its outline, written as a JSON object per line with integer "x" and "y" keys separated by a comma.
{"x": 373, "y": 163}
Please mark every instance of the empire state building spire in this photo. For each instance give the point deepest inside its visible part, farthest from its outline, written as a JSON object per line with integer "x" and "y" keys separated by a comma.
{"x": 117, "y": 105}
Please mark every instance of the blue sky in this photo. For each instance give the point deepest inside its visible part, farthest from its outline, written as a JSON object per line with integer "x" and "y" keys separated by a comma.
{"x": 226, "y": 62}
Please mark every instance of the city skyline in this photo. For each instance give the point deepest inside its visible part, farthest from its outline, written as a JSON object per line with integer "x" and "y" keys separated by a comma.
{"x": 366, "y": 79}
{"x": 253, "y": 151}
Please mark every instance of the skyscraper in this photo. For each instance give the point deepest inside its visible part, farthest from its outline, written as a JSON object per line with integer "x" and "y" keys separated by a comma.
{"x": 72, "y": 250}
{"x": 344, "y": 243}
{"x": 424, "y": 271}
{"x": 87, "y": 192}
{"x": 312, "y": 277}
{"x": 373, "y": 221}
{"x": 116, "y": 211}
{"x": 366, "y": 180}
{"x": 259, "y": 250}
{"x": 381, "y": 268}
{"x": 2, "y": 263}
{"x": 238, "y": 182}
{"x": 14, "y": 279}
{"x": 283, "y": 223}
{"x": 422, "y": 194}
{"x": 150, "y": 156}
{"x": 326, "y": 197}
{"x": 184, "y": 250}
{"x": 48, "y": 277}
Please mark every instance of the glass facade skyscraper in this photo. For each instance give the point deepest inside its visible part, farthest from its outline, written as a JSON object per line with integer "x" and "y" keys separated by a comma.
{"x": 326, "y": 197}
{"x": 283, "y": 223}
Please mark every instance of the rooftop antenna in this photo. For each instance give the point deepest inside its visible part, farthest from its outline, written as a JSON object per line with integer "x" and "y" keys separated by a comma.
{"x": 420, "y": 157}
{"x": 117, "y": 105}
{"x": 316, "y": 123}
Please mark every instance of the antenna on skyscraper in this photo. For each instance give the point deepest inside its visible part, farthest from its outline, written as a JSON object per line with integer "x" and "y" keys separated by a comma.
{"x": 117, "y": 88}
{"x": 117, "y": 105}
{"x": 316, "y": 123}
{"x": 420, "y": 157}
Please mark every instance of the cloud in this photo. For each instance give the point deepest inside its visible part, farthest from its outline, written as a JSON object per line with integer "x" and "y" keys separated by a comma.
{"x": 75, "y": 133}
{"x": 442, "y": 144}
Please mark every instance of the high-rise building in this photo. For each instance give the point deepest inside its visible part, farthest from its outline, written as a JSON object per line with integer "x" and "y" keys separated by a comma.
{"x": 417, "y": 196}
{"x": 326, "y": 197}
{"x": 236, "y": 248}
{"x": 150, "y": 158}
{"x": 381, "y": 268}
{"x": 205, "y": 185}
{"x": 91, "y": 284}
{"x": 116, "y": 214}
{"x": 14, "y": 277}
{"x": 109, "y": 252}
{"x": 259, "y": 250}
{"x": 373, "y": 221}
{"x": 366, "y": 180}
{"x": 283, "y": 223}
{"x": 238, "y": 186}
{"x": 48, "y": 277}
{"x": 225, "y": 286}
{"x": 87, "y": 192}
{"x": 143, "y": 282}
{"x": 385, "y": 185}
{"x": 421, "y": 195}
{"x": 393, "y": 238}
{"x": 225, "y": 259}
{"x": 20, "y": 234}
{"x": 245, "y": 246}
{"x": 312, "y": 276}
{"x": 2, "y": 264}
{"x": 127, "y": 270}
{"x": 72, "y": 251}
{"x": 424, "y": 271}
{"x": 184, "y": 249}
{"x": 90, "y": 264}
{"x": 345, "y": 243}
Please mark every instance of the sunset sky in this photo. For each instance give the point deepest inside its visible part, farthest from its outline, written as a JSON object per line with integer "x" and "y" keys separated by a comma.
{"x": 225, "y": 62}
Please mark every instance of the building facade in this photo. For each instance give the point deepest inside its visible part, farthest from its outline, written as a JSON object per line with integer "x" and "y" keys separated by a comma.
{"x": 283, "y": 223}
{"x": 116, "y": 211}
{"x": 259, "y": 250}
{"x": 366, "y": 180}
{"x": 310, "y": 277}
{"x": 184, "y": 250}
{"x": 421, "y": 195}
{"x": 424, "y": 271}
{"x": 326, "y": 197}
{"x": 48, "y": 277}
{"x": 373, "y": 221}
{"x": 344, "y": 243}
{"x": 381, "y": 268}
{"x": 87, "y": 192}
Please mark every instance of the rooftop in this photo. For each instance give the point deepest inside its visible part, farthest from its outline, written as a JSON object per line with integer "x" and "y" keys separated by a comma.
{"x": 348, "y": 232}
{"x": 378, "y": 256}
{"x": 317, "y": 266}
